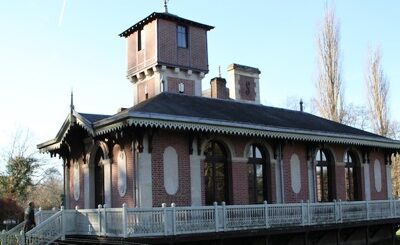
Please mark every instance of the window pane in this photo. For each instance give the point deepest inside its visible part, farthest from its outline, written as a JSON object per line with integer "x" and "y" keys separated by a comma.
{"x": 258, "y": 153}
{"x": 182, "y": 36}
{"x": 220, "y": 182}
{"x": 251, "y": 184}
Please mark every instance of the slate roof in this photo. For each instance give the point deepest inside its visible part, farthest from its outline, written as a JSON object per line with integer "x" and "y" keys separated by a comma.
{"x": 165, "y": 16}
{"x": 241, "y": 112}
{"x": 183, "y": 112}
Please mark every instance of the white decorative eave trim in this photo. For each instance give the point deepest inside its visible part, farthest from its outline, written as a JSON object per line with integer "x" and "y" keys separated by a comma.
{"x": 225, "y": 127}
{"x": 55, "y": 143}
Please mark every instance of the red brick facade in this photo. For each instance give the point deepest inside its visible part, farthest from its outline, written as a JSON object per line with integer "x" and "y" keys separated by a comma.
{"x": 236, "y": 147}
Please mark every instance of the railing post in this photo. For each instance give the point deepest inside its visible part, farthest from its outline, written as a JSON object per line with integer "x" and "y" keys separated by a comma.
{"x": 63, "y": 224}
{"x": 40, "y": 216}
{"x": 216, "y": 216}
{"x": 124, "y": 220}
{"x": 266, "y": 214}
{"x": 303, "y": 213}
{"x": 394, "y": 207}
{"x": 22, "y": 238}
{"x": 340, "y": 211}
{"x": 3, "y": 237}
{"x": 173, "y": 219}
{"x": 224, "y": 216}
{"x": 367, "y": 209}
{"x": 166, "y": 220}
{"x": 391, "y": 207}
{"x": 104, "y": 217}
{"x": 308, "y": 212}
{"x": 99, "y": 219}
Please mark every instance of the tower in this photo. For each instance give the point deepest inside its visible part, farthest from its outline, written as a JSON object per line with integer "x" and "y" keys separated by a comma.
{"x": 166, "y": 53}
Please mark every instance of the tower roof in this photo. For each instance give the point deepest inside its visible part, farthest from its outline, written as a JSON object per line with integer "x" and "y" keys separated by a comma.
{"x": 165, "y": 16}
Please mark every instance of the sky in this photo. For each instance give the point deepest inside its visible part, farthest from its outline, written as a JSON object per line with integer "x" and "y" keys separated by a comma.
{"x": 50, "y": 47}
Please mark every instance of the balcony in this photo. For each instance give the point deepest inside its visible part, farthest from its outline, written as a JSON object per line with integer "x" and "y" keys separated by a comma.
{"x": 172, "y": 221}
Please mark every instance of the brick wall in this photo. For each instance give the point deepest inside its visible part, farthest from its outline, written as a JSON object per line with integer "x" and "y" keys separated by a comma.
{"x": 377, "y": 195}
{"x": 150, "y": 90}
{"x": 240, "y": 183}
{"x": 161, "y": 140}
{"x": 128, "y": 198}
{"x": 195, "y": 56}
{"x": 247, "y": 88}
{"x": 173, "y": 85}
{"x": 300, "y": 151}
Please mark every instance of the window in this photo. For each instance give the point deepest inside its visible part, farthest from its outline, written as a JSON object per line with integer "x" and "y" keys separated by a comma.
{"x": 182, "y": 36}
{"x": 140, "y": 41}
{"x": 323, "y": 177}
{"x": 215, "y": 173}
{"x": 351, "y": 177}
{"x": 256, "y": 170}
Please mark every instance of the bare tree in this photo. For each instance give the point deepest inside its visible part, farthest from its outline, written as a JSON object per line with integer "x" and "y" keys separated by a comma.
{"x": 377, "y": 93}
{"x": 329, "y": 100}
{"x": 356, "y": 116}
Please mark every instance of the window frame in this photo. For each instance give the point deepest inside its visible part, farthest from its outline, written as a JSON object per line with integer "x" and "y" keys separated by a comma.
{"x": 253, "y": 163}
{"x": 182, "y": 37}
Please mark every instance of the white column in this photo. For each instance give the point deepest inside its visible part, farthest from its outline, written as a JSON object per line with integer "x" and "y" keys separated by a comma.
{"x": 86, "y": 192}
{"x": 311, "y": 186}
{"x": 195, "y": 176}
{"x": 367, "y": 183}
{"x": 389, "y": 181}
{"x": 278, "y": 182}
{"x": 66, "y": 185}
{"x": 145, "y": 178}
{"x": 107, "y": 181}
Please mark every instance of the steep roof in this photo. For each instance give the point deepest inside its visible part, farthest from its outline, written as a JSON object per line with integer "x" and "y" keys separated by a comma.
{"x": 166, "y": 16}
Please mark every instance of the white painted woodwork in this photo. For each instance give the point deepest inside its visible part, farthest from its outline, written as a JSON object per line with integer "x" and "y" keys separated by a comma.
{"x": 367, "y": 182}
{"x": 121, "y": 173}
{"x": 76, "y": 181}
{"x": 295, "y": 173}
{"x": 171, "y": 171}
{"x": 67, "y": 184}
{"x": 195, "y": 176}
{"x": 378, "y": 175}
{"x": 107, "y": 181}
{"x": 145, "y": 178}
{"x": 86, "y": 185}
{"x": 389, "y": 181}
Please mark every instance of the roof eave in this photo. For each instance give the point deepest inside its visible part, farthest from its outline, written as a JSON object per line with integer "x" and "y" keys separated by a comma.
{"x": 192, "y": 123}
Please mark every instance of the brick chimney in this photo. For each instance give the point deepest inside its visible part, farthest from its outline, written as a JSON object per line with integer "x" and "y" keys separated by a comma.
{"x": 218, "y": 88}
{"x": 244, "y": 83}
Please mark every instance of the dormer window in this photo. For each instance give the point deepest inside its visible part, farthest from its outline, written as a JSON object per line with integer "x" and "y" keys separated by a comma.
{"x": 182, "y": 36}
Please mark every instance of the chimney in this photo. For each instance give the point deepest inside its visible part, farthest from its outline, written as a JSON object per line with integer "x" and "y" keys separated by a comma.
{"x": 219, "y": 89}
{"x": 244, "y": 83}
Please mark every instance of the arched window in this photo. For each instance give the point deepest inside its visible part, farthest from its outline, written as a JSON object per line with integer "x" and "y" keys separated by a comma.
{"x": 351, "y": 177}
{"x": 215, "y": 173}
{"x": 324, "y": 177}
{"x": 257, "y": 175}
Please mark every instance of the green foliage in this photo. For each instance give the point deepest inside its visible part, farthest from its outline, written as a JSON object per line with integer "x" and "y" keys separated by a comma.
{"x": 19, "y": 173}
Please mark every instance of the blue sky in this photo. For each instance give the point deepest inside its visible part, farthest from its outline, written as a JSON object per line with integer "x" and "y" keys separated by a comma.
{"x": 45, "y": 52}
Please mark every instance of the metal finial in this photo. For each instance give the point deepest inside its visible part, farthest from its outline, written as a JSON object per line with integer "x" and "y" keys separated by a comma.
{"x": 219, "y": 71}
{"x": 166, "y": 5}
{"x": 72, "y": 107}
{"x": 301, "y": 105}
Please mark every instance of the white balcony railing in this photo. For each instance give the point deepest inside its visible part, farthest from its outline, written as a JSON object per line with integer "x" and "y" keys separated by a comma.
{"x": 167, "y": 221}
